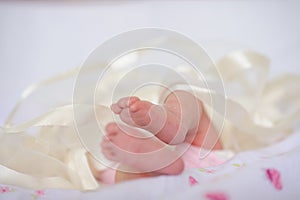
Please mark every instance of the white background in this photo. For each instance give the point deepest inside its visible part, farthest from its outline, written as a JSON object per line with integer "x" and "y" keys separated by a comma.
{"x": 42, "y": 38}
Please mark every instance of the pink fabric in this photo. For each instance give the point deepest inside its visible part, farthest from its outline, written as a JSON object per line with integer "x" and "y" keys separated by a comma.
{"x": 108, "y": 176}
{"x": 192, "y": 158}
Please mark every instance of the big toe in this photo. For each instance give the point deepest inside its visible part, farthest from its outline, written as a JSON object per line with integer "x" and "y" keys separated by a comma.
{"x": 127, "y": 101}
{"x": 116, "y": 108}
{"x": 136, "y": 106}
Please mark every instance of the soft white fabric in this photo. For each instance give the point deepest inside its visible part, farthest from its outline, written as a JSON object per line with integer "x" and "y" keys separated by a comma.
{"x": 242, "y": 177}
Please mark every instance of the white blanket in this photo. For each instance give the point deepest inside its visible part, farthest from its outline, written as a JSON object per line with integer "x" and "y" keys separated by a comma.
{"x": 269, "y": 173}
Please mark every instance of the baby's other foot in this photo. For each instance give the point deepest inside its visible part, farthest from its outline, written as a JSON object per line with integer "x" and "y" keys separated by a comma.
{"x": 131, "y": 148}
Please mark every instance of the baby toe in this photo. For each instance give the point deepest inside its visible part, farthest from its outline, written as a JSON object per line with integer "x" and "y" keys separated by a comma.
{"x": 124, "y": 102}
{"x": 116, "y": 108}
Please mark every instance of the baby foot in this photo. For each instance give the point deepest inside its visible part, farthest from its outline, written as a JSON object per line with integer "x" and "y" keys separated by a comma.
{"x": 131, "y": 148}
{"x": 181, "y": 119}
{"x": 157, "y": 119}
{"x": 133, "y": 111}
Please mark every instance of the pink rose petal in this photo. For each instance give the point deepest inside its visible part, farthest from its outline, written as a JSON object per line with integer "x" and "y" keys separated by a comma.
{"x": 192, "y": 181}
{"x": 4, "y": 189}
{"x": 216, "y": 196}
{"x": 210, "y": 171}
{"x": 274, "y": 177}
{"x": 40, "y": 192}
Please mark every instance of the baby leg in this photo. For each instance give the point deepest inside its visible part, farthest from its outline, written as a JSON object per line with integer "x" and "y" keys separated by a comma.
{"x": 202, "y": 132}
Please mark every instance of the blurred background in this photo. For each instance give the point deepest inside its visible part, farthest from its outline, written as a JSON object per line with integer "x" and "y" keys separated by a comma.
{"x": 39, "y": 39}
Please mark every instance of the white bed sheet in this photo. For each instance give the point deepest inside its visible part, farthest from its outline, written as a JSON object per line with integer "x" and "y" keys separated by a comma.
{"x": 245, "y": 176}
